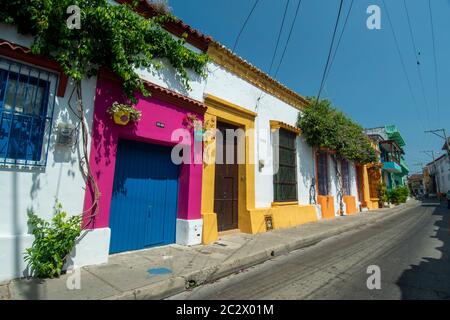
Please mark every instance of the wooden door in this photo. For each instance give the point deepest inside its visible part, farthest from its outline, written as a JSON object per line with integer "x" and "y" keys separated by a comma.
{"x": 226, "y": 184}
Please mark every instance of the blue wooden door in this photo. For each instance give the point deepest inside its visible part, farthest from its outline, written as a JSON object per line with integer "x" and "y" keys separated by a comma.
{"x": 144, "y": 200}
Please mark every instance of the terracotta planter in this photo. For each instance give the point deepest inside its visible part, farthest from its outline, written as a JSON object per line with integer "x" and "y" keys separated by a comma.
{"x": 121, "y": 118}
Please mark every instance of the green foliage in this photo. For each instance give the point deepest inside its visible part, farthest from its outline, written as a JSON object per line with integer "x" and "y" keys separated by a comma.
{"x": 113, "y": 36}
{"x": 52, "y": 242}
{"x": 324, "y": 126}
{"x": 382, "y": 192}
{"x": 398, "y": 195}
{"x": 135, "y": 114}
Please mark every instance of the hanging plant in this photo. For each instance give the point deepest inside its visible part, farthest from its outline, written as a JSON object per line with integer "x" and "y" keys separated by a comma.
{"x": 324, "y": 127}
{"x": 124, "y": 113}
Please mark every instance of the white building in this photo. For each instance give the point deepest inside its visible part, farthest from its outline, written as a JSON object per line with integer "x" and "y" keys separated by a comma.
{"x": 439, "y": 171}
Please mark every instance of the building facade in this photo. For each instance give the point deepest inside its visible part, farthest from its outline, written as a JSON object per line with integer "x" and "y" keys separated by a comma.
{"x": 262, "y": 176}
{"x": 439, "y": 175}
{"x": 391, "y": 143}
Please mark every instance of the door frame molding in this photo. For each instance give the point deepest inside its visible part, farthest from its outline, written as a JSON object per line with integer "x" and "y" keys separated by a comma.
{"x": 224, "y": 111}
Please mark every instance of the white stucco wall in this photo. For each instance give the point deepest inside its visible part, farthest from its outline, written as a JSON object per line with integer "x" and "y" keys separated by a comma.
{"x": 230, "y": 87}
{"x": 61, "y": 180}
{"x": 443, "y": 174}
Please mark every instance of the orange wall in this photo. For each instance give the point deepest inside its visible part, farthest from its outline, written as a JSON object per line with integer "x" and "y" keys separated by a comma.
{"x": 327, "y": 206}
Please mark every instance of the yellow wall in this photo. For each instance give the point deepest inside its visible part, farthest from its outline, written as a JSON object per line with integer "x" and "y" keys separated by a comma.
{"x": 283, "y": 216}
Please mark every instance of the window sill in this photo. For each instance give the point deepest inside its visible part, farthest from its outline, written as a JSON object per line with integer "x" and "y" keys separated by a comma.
{"x": 287, "y": 203}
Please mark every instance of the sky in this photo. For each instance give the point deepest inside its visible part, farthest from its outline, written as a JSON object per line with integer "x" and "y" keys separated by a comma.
{"x": 366, "y": 81}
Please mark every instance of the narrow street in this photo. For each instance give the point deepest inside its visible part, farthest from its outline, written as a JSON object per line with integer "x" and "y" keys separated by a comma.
{"x": 412, "y": 251}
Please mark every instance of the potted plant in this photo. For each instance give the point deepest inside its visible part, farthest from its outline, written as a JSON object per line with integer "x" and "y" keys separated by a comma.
{"x": 123, "y": 113}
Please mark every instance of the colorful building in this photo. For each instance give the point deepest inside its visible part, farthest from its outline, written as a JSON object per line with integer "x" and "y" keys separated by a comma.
{"x": 146, "y": 199}
{"x": 391, "y": 143}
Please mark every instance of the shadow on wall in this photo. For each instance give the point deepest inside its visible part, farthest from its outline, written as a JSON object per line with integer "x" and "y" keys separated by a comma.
{"x": 168, "y": 75}
{"x": 431, "y": 278}
{"x": 305, "y": 161}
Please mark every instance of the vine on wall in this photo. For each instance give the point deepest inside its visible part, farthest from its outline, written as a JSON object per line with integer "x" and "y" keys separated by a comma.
{"x": 111, "y": 36}
{"x": 323, "y": 126}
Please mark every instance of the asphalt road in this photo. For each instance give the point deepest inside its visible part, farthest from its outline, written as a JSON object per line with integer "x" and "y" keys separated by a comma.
{"x": 412, "y": 251}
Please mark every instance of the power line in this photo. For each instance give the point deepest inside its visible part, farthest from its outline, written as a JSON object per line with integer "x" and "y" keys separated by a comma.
{"x": 289, "y": 38}
{"x": 279, "y": 36}
{"x": 435, "y": 62}
{"x": 243, "y": 26}
{"x": 397, "y": 46}
{"x": 339, "y": 40}
{"x": 416, "y": 54}
{"x": 330, "y": 50}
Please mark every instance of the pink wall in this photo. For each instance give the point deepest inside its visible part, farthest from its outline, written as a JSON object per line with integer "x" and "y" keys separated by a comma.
{"x": 105, "y": 135}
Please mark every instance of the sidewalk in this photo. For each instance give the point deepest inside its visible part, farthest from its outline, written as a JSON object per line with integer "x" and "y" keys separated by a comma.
{"x": 161, "y": 272}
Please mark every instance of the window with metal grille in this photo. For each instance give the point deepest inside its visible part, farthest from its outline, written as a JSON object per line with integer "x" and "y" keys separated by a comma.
{"x": 285, "y": 180}
{"x": 27, "y": 97}
{"x": 322, "y": 173}
{"x": 345, "y": 174}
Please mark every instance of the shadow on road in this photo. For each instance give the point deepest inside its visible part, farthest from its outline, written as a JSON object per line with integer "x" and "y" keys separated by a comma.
{"x": 431, "y": 278}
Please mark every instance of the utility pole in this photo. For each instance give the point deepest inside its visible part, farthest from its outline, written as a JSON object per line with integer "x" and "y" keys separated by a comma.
{"x": 431, "y": 154}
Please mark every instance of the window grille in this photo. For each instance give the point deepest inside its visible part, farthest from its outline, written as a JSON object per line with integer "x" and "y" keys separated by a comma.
{"x": 27, "y": 100}
{"x": 345, "y": 174}
{"x": 285, "y": 180}
{"x": 322, "y": 173}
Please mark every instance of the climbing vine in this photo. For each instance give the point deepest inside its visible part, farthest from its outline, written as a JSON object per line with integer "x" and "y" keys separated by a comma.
{"x": 110, "y": 36}
{"x": 326, "y": 127}
{"x": 113, "y": 36}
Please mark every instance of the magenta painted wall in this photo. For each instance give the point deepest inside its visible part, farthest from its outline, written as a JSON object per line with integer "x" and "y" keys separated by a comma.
{"x": 105, "y": 135}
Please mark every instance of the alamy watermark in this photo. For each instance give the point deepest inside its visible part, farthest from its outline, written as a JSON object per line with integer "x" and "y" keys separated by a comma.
{"x": 374, "y": 20}
{"x": 374, "y": 280}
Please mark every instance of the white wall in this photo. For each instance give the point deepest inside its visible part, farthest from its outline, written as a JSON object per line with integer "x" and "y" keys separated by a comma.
{"x": 230, "y": 87}
{"x": 22, "y": 190}
{"x": 443, "y": 174}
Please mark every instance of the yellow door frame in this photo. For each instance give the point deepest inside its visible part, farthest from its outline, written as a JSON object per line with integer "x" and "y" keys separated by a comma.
{"x": 224, "y": 111}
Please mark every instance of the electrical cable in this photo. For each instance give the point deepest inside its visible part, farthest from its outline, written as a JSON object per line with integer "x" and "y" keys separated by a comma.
{"x": 288, "y": 39}
{"x": 330, "y": 51}
{"x": 279, "y": 36}
{"x": 243, "y": 26}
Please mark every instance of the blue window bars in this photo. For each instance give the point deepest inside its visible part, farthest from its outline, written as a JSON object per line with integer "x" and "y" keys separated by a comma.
{"x": 27, "y": 100}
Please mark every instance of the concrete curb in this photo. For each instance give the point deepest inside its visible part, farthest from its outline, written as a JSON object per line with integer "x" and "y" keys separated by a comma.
{"x": 179, "y": 284}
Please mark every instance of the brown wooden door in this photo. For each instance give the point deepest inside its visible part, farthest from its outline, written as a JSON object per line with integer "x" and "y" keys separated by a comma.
{"x": 226, "y": 185}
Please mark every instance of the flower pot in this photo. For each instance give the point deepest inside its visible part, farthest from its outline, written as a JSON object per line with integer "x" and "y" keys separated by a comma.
{"x": 122, "y": 117}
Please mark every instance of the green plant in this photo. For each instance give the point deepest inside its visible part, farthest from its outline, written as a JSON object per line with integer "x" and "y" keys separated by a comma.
{"x": 112, "y": 36}
{"x": 382, "y": 192}
{"x": 325, "y": 127}
{"x": 52, "y": 242}
{"x": 398, "y": 195}
{"x": 135, "y": 114}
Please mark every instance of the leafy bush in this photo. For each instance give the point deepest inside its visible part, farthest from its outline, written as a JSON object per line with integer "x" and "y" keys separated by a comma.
{"x": 398, "y": 195}
{"x": 52, "y": 242}
{"x": 382, "y": 192}
{"x": 323, "y": 126}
